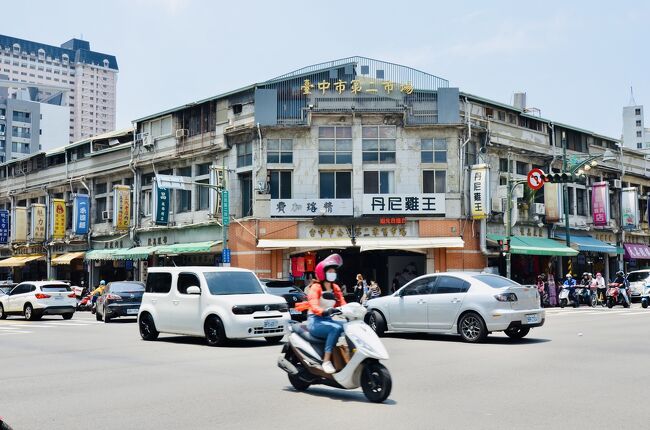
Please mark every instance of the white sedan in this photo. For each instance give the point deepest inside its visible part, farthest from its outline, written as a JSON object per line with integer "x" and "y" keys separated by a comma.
{"x": 470, "y": 304}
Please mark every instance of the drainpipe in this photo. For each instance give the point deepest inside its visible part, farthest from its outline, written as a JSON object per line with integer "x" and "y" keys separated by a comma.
{"x": 48, "y": 236}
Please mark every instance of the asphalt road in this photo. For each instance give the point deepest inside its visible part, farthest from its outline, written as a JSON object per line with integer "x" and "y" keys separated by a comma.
{"x": 80, "y": 374}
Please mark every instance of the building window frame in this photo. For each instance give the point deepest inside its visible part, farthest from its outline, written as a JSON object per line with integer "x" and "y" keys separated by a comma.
{"x": 379, "y": 144}
{"x": 279, "y": 151}
{"x": 280, "y": 184}
{"x": 431, "y": 181}
{"x": 335, "y": 144}
{"x": 245, "y": 154}
{"x": 341, "y": 184}
{"x": 378, "y": 182}
{"x": 434, "y": 150}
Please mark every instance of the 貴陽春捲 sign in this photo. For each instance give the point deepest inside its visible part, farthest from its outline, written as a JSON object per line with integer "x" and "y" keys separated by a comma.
{"x": 407, "y": 204}
{"x": 311, "y": 207}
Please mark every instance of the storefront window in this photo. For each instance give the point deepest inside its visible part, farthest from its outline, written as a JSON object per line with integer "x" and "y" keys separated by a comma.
{"x": 279, "y": 151}
{"x": 280, "y": 184}
{"x": 378, "y": 182}
{"x": 434, "y": 181}
{"x": 378, "y": 144}
{"x": 245, "y": 154}
{"x": 335, "y": 145}
{"x": 335, "y": 185}
{"x": 433, "y": 150}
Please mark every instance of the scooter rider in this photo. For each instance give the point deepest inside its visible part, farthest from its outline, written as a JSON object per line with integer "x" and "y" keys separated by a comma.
{"x": 320, "y": 320}
{"x": 586, "y": 287}
{"x": 622, "y": 285}
{"x": 570, "y": 284}
{"x": 98, "y": 291}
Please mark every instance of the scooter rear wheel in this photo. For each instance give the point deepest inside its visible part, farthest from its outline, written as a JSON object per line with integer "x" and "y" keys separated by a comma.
{"x": 376, "y": 382}
{"x": 298, "y": 383}
{"x": 644, "y": 304}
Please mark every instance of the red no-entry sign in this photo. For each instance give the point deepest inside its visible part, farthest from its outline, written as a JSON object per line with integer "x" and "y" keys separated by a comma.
{"x": 535, "y": 179}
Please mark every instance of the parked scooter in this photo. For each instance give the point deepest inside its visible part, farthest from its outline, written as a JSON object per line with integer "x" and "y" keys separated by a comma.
{"x": 355, "y": 358}
{"x": 85, "y": 303}
{"x": 586, "y": 297}
{"x": 645, "y": 298}
{"x": 566, "y": 299}
{"x": 614, "y": 297}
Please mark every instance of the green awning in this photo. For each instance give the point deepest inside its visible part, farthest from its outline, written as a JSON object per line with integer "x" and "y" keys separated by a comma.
{"x": 102, "y": 254}
{"x": 189, "y": 248}
{"x": 135, "y": 253}
{"x": 535, "y": 246}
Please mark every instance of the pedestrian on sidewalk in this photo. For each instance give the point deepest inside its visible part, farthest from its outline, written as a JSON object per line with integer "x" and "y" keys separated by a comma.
{"x": 372, "y": 292}
{"x": 601, "y": 289}
{"x": 360, "y": 288}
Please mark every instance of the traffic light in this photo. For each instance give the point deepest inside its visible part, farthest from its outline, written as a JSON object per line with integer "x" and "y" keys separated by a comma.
{"x": 562, "y": 178}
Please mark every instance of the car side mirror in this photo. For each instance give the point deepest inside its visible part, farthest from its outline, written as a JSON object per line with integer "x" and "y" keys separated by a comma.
{"x": 194, "y": 290}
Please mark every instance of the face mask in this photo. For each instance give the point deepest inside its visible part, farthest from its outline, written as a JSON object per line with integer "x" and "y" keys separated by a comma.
{"x": 330, "y": 276}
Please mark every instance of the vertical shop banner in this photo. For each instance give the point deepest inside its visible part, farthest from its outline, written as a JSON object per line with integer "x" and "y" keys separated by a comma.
{"x": 552, "y": 202}
{"x": 58, "y": 219}
{"x": 161, "y": 205}
{"x": 629, "y": 208}
{"x": 38, "y": 223}
{"x": 4, "y": 226}
{"x": 479, "y": 190}
{"x": 19, "y": 227}
{"x": 81, "y": 213}
{"x": 600, "y": 203}
{"x": 121, "y": 207}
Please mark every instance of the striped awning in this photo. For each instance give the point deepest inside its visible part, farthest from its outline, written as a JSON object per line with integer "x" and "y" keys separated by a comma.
{"x": 67, "y": 258}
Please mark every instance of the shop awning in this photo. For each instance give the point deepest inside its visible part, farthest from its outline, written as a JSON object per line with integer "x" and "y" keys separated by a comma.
{"x": 67, "y": 258}
{"x": 535, "y": 246}
{"x": 135, "y": 253}
{"x": 636, "y": 251}
{"x": 588, "y": 243}
{"x": 103, "y": 254}
{"x": 189, "y": 248}
{"x": 306, "y": 244}
{"x": 20, "y": 261}
{"x": 416, "y": 244}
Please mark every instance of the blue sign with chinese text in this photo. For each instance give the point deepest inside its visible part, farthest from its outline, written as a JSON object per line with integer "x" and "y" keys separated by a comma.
{"x": 162, "y": 206}
{"x": 81, "y": 214}
{"x": 225, "y": 255}
{"x": 4, "y": 226}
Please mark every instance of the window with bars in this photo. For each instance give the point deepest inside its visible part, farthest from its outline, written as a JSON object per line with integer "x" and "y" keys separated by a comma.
{"x": 433, "y": 150}
{"x": 280, "y": 183}
{"x": 279, "y": 151}
{"x": 335, "y": 145}
{"x": 434, "y": 181}
{"x": 378, "y": 144}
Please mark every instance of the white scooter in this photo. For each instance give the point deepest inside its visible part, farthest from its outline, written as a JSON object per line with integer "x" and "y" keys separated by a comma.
{"x": 565, "y": 298}
{"x": 355, "y": 358}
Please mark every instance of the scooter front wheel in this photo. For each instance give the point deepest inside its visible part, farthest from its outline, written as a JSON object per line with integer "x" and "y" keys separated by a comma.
{"x": 644, "y": 303}
{"x": 376, "y": 382}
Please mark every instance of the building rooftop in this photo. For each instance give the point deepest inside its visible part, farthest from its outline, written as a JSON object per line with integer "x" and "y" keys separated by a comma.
{"x": 77, "y": 50}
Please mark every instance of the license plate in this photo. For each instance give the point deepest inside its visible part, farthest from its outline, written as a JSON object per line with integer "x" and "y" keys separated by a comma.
{"x": 132, "y": 311}
{"x": 58, "y": 298}
{"x": 294, "y": 312}
{"x": 270, "y": 324}
{"x": 532, "y": 319}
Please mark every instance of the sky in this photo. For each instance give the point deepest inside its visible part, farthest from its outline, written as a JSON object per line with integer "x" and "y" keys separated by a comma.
{"x": 575, "y": 60}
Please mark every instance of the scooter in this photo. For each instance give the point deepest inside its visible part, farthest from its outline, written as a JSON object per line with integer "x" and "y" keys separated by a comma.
{"x": 355, "y": 358}
{"x": 614, "y": 297}
{"x": 85, "y": 303}
{"x": 586, "y": 297}
{"x": 645, "y": 298}
{"x": 565, "y": 298}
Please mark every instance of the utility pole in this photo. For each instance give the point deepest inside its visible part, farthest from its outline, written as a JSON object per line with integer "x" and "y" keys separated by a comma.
{"x": 565, "y": 194}
{"x": 225, "y": 214}
{"x": 509, "y": 219}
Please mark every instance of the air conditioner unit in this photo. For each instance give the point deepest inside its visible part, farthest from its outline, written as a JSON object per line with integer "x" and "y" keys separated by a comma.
{"x": 539, "y": 209}
{"x": 147, "y": 141}
{"x": 107, "y": 216}
{"x": 182, "y": 132}
{"x": 616, "y": 183}
{"x": 498, "y": 204}
{"x": 2, "y": 117}
{"x": 2, "y": 133}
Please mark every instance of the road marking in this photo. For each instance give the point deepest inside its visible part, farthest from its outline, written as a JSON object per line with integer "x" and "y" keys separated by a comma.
{"x": 637, "y": 313}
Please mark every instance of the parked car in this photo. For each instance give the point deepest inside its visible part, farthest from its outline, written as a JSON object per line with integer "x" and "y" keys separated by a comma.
{"x": 638, "y": 281}
{"x": 470, "y": 304}
{"x": 120, "y": 299}
{"x": 290, "y": 293}
{"x": 218, "y": 303}
{"x": 35, "y": 299}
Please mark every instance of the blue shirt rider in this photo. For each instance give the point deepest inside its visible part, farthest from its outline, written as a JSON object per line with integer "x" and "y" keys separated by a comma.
{"x": 570, "y": 284}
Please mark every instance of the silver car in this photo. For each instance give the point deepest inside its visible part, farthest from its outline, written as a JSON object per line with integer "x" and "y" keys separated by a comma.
{"x": 470, "y": 304}
{"x": 638, "y": 281}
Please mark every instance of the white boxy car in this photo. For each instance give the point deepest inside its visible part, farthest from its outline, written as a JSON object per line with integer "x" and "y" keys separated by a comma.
{"x": 470, "y": 304}
{"x": 35, "y": 299}
{"x": 218, "y": 303}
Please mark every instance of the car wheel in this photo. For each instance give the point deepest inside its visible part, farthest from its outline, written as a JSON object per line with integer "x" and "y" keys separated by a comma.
{"x": 105, "y": 317}
{"x": 517, "y": 332}
{"x": 472, "y": 328}
{"x": 147, "y": 327}
{"x": 377, "y": 323}
{"x": 273, "y": 340}
{"x": 214, "y": 332}
{"x": 67, "y": 316}
{"x": 3, "y": 315}
{"x": 376, "y": 382}
{"x": 644, "y": 305}
{"x": 30, "y": 314}
{"x": 97, "y": 316}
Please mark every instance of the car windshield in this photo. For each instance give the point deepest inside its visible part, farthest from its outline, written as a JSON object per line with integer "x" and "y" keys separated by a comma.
{"x": 638, "y": 276}
{"x": 226, "y": 283}
{"x": 55, "y": 288}
{"x": 495, "y": 281}
{"x": 123, "y": 287}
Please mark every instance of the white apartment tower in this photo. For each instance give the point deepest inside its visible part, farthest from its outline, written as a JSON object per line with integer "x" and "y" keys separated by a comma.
{"x": 88, "y": 79}
{"x": 635, "y": 135}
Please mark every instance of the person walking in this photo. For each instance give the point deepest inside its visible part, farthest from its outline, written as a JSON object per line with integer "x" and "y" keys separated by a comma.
{"x": 395, "y": 285}
{"x": 372, "y": 292}
{"x": 601, "y": 289}
{"x": 541, "y": 290}
{"x": 360, "y": 288}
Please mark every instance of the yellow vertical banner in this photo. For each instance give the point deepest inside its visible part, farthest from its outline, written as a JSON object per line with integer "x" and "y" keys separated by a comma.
{"x": 58, "y": 219}
{"x": 19, "y": 230}
{"x": 121, "y": 207}
{"x": 38, "y": 222}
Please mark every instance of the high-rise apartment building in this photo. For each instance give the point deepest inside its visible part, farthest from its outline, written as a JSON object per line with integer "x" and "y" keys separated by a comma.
{"x": 87, "y": 78}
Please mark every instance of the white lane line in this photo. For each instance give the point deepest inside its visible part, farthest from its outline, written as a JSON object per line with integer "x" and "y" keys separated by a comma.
{"x": 638, "y": 313}
{"x": 14, "y": 332}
